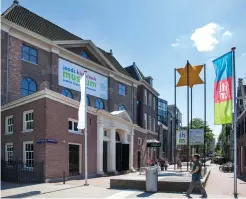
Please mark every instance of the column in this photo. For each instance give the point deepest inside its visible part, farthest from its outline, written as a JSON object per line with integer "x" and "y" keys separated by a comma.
{"x": 125, "y": 139}
{"x": 100, "y": 148}
{"x": 112, "y": 150}
{"x": 131, "y": 151}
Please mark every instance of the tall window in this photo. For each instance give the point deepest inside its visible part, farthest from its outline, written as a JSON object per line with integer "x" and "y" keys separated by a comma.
{"x": 9, "y": 152}
{"x": 28, "y": 154}
{"x": 140, "y": 141}
{"x": 28, "y": 86}
{"x": 73, "y": 126}
{"x": 28, "y": 120}
{"x": 67, "y": 93}
{"x": 84, "y": 54}
{"x": 145, "y": 120}
{"x": 87, "y": 100}
{"x": 121, "y": 108}
{"x": 145, "y": 96}
{"x": 150, "y": 121}
{"x": 29, "y": 54}
{"x": 99, "y": 104}
{"x": 154, "y": 103}
{"x": 9, "y": 125}
{"x": 150, "y": 99}
{"x": 122, "y": 89}
{"x": 154, "y": 124}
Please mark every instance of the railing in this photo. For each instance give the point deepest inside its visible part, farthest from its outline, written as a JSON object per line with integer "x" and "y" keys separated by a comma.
{"x": 18, "y": 172}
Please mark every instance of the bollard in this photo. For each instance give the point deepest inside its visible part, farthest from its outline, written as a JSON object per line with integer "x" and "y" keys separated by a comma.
{"x": 63, "y": 177}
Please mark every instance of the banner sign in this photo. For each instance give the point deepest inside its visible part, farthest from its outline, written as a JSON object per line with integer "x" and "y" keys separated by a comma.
{"x": 69, "y": 75}
{"x": 223, "y": 89}
{"x": 196, "y": 137}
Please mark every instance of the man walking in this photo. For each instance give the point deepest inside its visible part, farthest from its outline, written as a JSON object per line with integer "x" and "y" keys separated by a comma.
{"x": 196, "y": 177}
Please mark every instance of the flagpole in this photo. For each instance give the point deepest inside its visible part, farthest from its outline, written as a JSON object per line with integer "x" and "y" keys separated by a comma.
{"x": 191, "y": 106}
{"x": 235, "y": 121}
{"x": 188, "y": 110}
{"x": 85, "y": 132}
{"x": 175, "y": 125}
{"x": 205, "y": 115}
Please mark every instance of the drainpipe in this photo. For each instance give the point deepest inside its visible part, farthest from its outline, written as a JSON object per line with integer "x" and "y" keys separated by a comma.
{"x": 7, "y": 71}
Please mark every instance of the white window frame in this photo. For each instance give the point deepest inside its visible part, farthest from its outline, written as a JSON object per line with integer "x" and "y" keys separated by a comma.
{"x": 73, "y": 131}
{"x": 24, "y": 153}
{"x": 105, "y": 131}
{"x": 6, "y": 152}
{"x": 145, "y": 120}
{"x": 25, "y": 122}
{"x": 150, "y": 99}
{"x": 140, "y": 141}
{"x": 145, "y": 97}
{"x": 150, "y": 121}
{"x": 6, "y": 125}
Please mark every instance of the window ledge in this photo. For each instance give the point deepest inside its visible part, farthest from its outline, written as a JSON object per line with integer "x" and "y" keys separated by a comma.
{"x": 75, "y": 132}
{"x": 27, "y": 131}
{"x": 29, "y": 62}
{"x": 8, "y": 133}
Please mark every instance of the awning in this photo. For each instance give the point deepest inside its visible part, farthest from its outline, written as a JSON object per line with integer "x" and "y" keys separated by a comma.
{"x": 153, "y": 143}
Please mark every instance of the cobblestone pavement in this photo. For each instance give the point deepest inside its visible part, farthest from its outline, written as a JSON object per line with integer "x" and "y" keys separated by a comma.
{"x": 219, "y": 185}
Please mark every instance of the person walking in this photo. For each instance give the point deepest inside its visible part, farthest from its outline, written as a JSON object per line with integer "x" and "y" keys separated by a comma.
{"x": 196, "y": 177}
{"x": 179, "y": 164}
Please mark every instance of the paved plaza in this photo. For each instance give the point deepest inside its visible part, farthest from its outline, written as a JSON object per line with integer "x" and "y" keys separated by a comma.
{"x": 219, "y": 185}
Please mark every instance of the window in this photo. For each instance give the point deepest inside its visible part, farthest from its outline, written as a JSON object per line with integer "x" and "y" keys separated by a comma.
{"x": 28, "y": 86}
{"x": 150, "y": 99}
{"x": 67, "y": 93}
{"x": 9, "y": 125}
{"x": 154, "y": 124}
{"x": 148, "y": 156}
{"x": 121, "y": 108}
{"x": 154, "y": 103}
{"x": 150, "y": 123}
{"x": 105, "y": 133}
{"x": 245, "y": 155}
{"x": 9, "y": 152}
{"x": 73, "y": 126}
{"x": 99, "y": 104}
{"x": 84, "y": 54}
{"x": 87, "y": 100}
{"x": 29, "y": 54}
{"x": 122, "y": 89}
{"x": 28, "y": 120}
{"x": 145, "y": 120}
{"x": 140, "y": 141}
{"x": 28, "y": 159}
{"x": 145, "y": 96}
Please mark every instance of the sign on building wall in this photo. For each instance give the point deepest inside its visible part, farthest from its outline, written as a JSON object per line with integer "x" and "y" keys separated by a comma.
{"x": 196, "y": 137}
{"x": 69, "y": 75}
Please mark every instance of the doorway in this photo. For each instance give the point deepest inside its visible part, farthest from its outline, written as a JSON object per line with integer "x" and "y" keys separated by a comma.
{"x": 139, "y": 159}
{"x": 74, "y": 159}
{"x": 105, "y": 156}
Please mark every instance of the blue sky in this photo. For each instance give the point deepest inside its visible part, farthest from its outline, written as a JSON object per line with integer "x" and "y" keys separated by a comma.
{"x": 159, "y": 36}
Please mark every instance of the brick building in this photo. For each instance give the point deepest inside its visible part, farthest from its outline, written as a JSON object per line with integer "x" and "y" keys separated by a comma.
{"x": 41, "y": 67}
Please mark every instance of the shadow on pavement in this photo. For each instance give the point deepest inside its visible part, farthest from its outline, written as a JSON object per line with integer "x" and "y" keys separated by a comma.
{"x": 145, "y": 195}
{"x": 8, "y": 185}
{"x": 24, "y": 195}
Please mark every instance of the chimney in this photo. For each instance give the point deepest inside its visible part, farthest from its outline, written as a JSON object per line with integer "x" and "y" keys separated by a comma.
{"x": 16, "y": 2}
{"x": 111, "y": 52}
{"x": 134, "y": 64}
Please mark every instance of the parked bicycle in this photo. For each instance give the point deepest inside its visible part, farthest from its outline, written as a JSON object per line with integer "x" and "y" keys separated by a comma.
{"x": 228, "y": 167}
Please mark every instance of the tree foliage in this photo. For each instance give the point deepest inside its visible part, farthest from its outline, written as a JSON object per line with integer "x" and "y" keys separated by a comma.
{"x": 222, "y": 145}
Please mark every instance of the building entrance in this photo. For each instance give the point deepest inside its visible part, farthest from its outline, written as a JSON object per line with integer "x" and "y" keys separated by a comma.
{"x": 73, "y": 159}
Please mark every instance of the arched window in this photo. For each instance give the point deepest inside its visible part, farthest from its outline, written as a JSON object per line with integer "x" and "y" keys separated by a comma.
{"x": 67, "y": 93}
{"x": 121, "y": 108}
{"x": 87, "y": 100}
{"x": 28, "y": 86}
{"x": 84, "y": 54}
{"x": 99, "y": 104}
{"x": 117, "y": 136}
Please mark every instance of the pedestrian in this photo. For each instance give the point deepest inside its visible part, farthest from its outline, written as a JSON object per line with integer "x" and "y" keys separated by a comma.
{"x": 179, "y": 164}
{"x": 166, "y": 164}
{"x": 196, "y": 177}
{"x": 162, "y": 164}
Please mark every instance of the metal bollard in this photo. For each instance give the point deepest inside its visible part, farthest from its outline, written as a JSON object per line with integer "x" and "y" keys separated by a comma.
{"x": 63, "y": 177}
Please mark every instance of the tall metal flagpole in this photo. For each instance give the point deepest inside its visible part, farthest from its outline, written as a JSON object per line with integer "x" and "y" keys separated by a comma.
{"x": 205, "y": 115}
{"x": 175, "y": 109}
{"x": 188, "y": 120}
{"x": 191, "y": 106}
{"x": 234, "y": 121}
{"x": 85, "y": 132}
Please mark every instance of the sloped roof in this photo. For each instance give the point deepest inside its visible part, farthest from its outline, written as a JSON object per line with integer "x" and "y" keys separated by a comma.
{"x": 134, "y": 72}
{"x": 31, "y": 21}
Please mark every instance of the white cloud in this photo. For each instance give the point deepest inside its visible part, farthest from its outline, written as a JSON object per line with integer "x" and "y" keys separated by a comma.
{"x": 177, "y": 43}
{"x": 227, "y": 33}
{"x": 204, "y": 38}
{"x": 243, "y": 55}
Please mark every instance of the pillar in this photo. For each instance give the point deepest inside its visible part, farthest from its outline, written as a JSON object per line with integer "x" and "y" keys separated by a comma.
{"x": 131, "y": 151}
{"x": 125, "y": 139}
{"x": 100, "y": 148}
{"x": 112, "y": 150}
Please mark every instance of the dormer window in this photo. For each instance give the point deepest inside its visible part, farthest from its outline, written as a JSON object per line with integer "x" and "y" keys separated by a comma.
{"x": 84, "y": 54}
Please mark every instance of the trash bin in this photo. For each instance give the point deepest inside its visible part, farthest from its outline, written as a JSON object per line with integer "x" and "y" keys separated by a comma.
{"x": 151, "y": 179}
